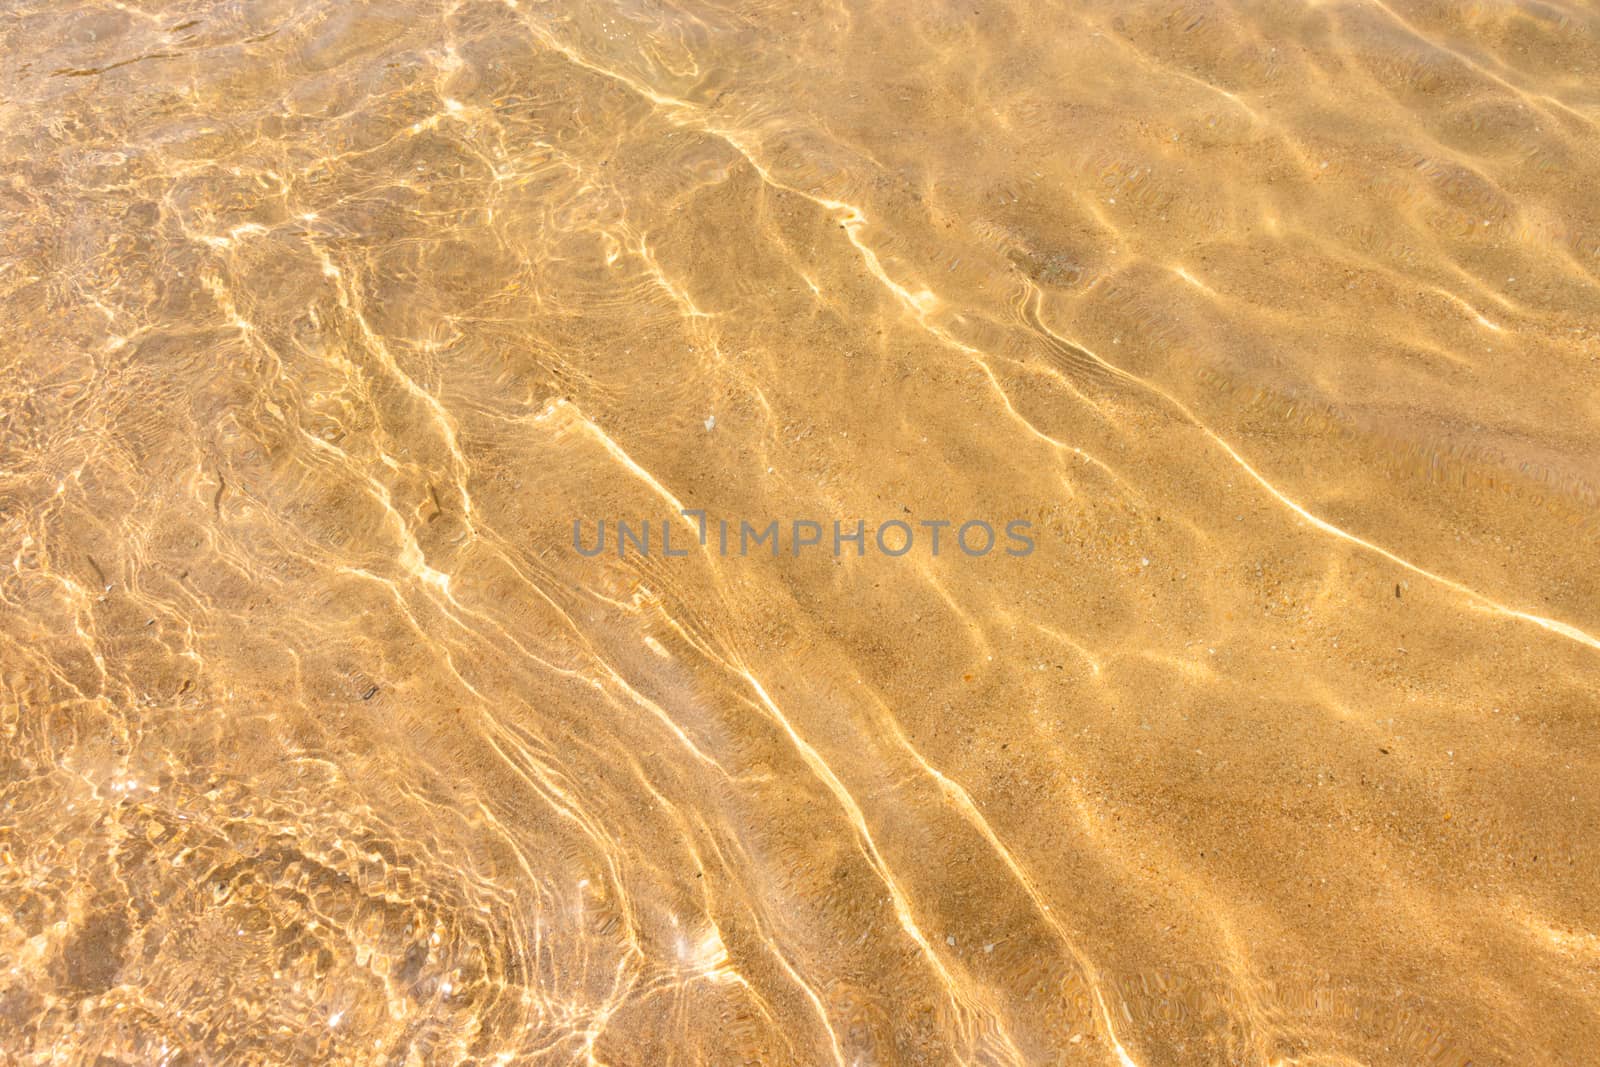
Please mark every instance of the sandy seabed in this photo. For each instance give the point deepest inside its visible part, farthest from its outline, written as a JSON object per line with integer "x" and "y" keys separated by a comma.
{"x": 1277, "y": 325}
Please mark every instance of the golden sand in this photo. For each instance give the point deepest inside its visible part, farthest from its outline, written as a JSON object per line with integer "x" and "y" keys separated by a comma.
{"x": 1276, "y": 325}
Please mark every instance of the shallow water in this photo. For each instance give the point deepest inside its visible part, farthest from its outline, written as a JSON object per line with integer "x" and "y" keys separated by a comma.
{"x": 322, "y": 324}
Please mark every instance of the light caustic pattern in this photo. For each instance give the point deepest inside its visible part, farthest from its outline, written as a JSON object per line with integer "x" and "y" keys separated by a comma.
{"x": 322, "y": 322}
